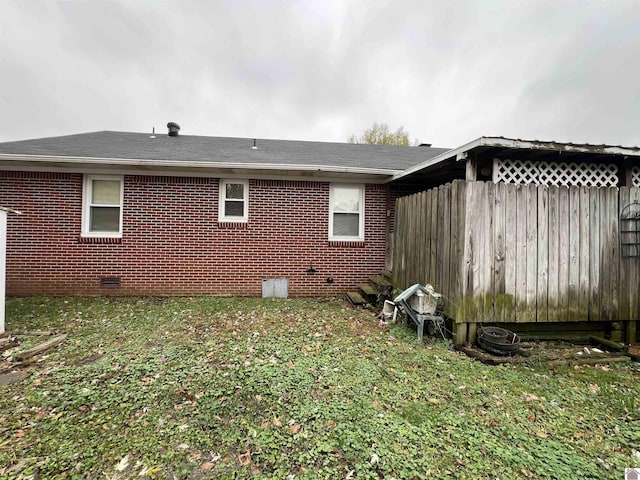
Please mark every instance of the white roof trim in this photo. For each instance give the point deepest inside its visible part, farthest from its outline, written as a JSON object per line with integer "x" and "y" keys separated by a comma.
{"x": 186, "y": 164}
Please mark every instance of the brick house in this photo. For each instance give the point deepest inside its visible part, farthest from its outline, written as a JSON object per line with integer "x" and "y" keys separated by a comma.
{"x": 138, "y": 214}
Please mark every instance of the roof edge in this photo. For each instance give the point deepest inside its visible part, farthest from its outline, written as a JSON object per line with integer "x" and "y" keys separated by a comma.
{"x": 520, "y": 144}
{"x": 37, "y": 159}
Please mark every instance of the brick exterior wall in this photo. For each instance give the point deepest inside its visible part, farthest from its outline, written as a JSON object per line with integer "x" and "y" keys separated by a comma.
{"x": 172, "y": 241}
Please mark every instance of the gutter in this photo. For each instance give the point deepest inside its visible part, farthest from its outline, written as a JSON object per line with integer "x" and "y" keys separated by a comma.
{"x": 47, "y": 159}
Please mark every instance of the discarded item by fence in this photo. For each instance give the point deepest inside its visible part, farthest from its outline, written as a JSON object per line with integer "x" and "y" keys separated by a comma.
{"x": 388, "y": 309}
{"x": 615, "y": 346}
{"x": 498, "y": 340}
{"x": 421, "y": 299}
{"x": 421, "y": 304}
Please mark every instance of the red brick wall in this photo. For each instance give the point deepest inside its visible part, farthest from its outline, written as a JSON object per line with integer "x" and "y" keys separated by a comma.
{"x": 173, "y": 244}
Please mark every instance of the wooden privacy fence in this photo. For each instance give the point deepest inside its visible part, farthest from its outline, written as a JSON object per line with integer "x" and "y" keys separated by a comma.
{"x": 519, "y": 253}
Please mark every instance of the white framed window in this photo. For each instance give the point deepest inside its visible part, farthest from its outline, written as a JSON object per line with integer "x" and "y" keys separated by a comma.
{"x": 346, "y": 212}
{"x": 233, "y": 205}
{"x": 102, "y": 206}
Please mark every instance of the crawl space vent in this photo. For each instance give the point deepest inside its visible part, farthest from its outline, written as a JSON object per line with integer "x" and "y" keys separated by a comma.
{"x": 110, "y": 282}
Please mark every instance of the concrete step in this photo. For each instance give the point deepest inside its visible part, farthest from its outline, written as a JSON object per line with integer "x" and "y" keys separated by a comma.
{"x": 368, "y": 291}
{"x": 356, "y": 299}
{"x": 381, "y": 283}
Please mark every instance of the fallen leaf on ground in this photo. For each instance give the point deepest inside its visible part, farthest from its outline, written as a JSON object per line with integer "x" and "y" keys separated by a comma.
{"x": 122, "y": 464}
{"x": 295, "y": 428}
{"x": 245, "y": 458}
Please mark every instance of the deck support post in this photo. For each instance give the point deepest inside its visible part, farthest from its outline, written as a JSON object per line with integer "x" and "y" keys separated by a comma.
{"x": 471, "y": 169}
{"x": 630, "y": 333}
{"x": 471, "y": 333}
{"x": 460, "y": 334}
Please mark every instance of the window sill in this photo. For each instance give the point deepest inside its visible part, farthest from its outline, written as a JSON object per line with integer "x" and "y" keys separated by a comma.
{"x": 233, "y": 225}
{"x": 102, "y": 240}
{"x": 347, "y": 243}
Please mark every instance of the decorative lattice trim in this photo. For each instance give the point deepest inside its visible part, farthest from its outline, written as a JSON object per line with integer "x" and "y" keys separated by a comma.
{"x": 635, "y": 176}
{"x": 557, "y": 173}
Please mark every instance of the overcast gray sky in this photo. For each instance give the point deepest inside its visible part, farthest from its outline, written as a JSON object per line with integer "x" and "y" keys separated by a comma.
{"x": 448, "y": 71}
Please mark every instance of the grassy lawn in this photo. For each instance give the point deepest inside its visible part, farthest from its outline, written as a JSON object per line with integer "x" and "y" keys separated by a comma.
{"x": 294, "y": 389}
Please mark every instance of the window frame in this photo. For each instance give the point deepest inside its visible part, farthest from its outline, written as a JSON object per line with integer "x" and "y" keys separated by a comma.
{"x": 347, "y": 238}
{"x": 87, "y": 193}
{"x": 222, "y": 198}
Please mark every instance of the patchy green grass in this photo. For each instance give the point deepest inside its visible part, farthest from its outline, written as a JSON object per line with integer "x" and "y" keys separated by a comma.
{"x": 294, "y": 389}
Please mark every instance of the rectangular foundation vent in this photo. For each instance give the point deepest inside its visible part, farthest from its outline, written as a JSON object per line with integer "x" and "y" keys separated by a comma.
{"x": 275, "y": 287}
{"x": 110, "y": 282}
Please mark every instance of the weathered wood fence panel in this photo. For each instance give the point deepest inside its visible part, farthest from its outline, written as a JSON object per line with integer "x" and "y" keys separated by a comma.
{"x": 519, "y": 253}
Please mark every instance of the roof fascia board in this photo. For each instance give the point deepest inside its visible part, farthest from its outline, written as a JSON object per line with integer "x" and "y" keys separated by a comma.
{"x": 460, "y": 153}
{"x": 294, "y": 175}
{"x": 196, "y": 164}
{"x": 560, "y": 146}
{"x": 456, "y": 152}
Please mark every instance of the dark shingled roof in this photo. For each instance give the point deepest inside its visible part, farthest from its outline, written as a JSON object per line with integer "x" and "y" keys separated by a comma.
{"x": 139, "y": 146}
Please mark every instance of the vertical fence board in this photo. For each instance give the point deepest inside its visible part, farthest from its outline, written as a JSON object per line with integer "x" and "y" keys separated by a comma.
{"x": 419, "y": 267}
{"x": 531, "y": 252}
{"x": 613, "y": 253}
{"x": 489, "y": 258}
{"x": 542, "y": 289}
{"x": 446, "y": 241}
{"x": 402, "y": 239}
{"x": 434, "y": 235}
{"x": 458, "y": 265}
{"x": 605, "y": 271}
{"x": 563, "y": 254}
{"x": 479, "y": 248}
{"x": 417, "y": 248}
{"x": 421, "y": 253}
{"x": 425, "y": 245}
{"x": 553, "y": 255}
{"x": 499, "y": 253}
{"x": 583, "y": 257}
{"x": 439, "y": 278}
{"x": 574, "y": 253}
{"x": 408, "y": 239}
{"x": 469, "y": 308}
{"x": 594, "y": 254}
{"x": 633, "y": 264}
{"x": 522, "y": 194}
{"x": 411, "y": 231}
{"x": 510, "y": 248}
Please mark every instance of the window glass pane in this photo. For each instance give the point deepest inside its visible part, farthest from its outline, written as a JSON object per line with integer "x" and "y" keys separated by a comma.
{"x": 233, "y": 209}
{"x": 235, "y": 191}
{"x": 105, "y": 219}
{"x": 346, "y": 199}
{"x": 105, "y": 192}
{"x": 346, "y": 224}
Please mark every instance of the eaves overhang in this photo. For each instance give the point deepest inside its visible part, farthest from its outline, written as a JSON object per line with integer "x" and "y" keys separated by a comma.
{"x": 462, "y": 153}
{"x": 195, "y": 168}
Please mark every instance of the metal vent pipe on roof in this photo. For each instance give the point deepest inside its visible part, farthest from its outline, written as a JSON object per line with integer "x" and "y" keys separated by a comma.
{"x": 174, "y": 128}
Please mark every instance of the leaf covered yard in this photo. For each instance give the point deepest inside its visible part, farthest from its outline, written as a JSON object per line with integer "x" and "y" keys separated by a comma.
{"x": 294, "y": 389}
